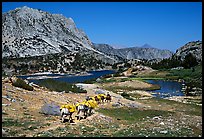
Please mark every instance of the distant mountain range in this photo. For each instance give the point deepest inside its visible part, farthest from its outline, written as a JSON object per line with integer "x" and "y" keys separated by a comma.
{"x": 144, "y": 52}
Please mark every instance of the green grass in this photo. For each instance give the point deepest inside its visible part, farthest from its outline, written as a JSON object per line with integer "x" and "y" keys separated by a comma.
{"x": 11, "y": 122}
{"x": 190, "y": 109}
{"x": 25, "y": 113}
{"x": 31, "y": 128}
{"x": 187, "y": 72}
{"x": 190, "y": 76}
{"x": 135, "y": 95}
{"x": 117, "y": 88}
{"x": 130, "y": 122}
{"x": 47, "y": 124}
{"x": 132, "y": 114}
{"x": 96, "y": 129}
{"x": 147, "y": 78}
{"x": 147, "y": 132}
{"x": 61, "y": 86}
{"x": 126, "y": 88}
{"x": 45, "y": 134}
{"x": 127, "y": 96}
{"x": 107, "y": 80}
{"x": 90, "y": 81}
{"x": 4, "y": 113}
{"x": 22, "y": 84}
{"x": 13, "y": 133}
{"x": 154, "y": 74}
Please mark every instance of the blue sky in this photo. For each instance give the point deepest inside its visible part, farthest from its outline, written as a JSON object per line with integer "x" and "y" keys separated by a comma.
{"x": 163, "y": 25}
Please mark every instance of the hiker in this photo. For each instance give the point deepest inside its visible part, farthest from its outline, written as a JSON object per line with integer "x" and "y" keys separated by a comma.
{"x": 67, "y": 109}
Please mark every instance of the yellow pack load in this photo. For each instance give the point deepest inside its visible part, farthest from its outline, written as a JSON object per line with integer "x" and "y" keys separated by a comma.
{"x": 70, "y": 107}
{"x": 84, "y": 102}
{"x": 77, "y": 104}
{"x": 62, "y": 106}
{"x": 80, "y": 103}
{"x": 95, "y": 103}
{"x": 92, "y": 103}
{"x": 99, "y": 97}
{"x": 92, "y": 98}
{"x": 102, "y": 95}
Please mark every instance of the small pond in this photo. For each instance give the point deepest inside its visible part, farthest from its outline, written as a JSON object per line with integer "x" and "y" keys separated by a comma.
{"x": 168, "y": 88}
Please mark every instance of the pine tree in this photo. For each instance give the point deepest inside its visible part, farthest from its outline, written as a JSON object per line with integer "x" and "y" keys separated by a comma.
{"x": 189, "y": 61}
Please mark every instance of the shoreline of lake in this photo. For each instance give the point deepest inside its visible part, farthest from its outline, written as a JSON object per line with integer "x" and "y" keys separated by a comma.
{"x": 70, "y": 78}
{"x": 77, "y": 73}
{"x": 36, "y": 77}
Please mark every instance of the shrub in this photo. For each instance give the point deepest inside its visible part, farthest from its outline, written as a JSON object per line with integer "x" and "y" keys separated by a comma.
{"x": 61, "y": 86}
{"x": 90, "y": 81}
{"x": 107, "y": 76}
{"x": 189, "y": 61}
{"x": 125, "y": 95}
{"x": 22, "y": 84}
{"x": 123, "y": 80}
{"x": 116, "y": 74}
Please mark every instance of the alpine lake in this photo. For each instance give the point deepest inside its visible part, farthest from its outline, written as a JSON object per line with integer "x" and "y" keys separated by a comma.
{"x": 167, "y": 88}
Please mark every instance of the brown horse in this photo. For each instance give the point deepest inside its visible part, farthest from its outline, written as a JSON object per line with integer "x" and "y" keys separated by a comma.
{"x": 102, "y": 99}
{"x": 97, "y": 99}
{"x": 108, "y": 98}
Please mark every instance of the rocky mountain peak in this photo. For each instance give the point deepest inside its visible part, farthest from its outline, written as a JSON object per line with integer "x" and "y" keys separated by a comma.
{"x": 193, "y": 47}
{"x": 26, "y": 12}
{"x": 146, "y": 45}
{"x": 33, "y": 32}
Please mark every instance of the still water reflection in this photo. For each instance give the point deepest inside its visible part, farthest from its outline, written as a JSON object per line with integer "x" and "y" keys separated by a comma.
{"x": 168, "y": 88}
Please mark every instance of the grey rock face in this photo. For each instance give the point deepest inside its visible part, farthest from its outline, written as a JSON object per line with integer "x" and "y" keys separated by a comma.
{"x": 194, "y": 47}
{"x": 50, "y": 109}
{"x": 32, "y": 32}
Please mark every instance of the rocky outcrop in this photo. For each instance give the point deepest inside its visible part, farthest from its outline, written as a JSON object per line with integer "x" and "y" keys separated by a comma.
{"x": 50, "y": 109}
{"x": 32, "y": 32}
{"x": 193, "y": 47}
{"x": 28, "y": 32}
